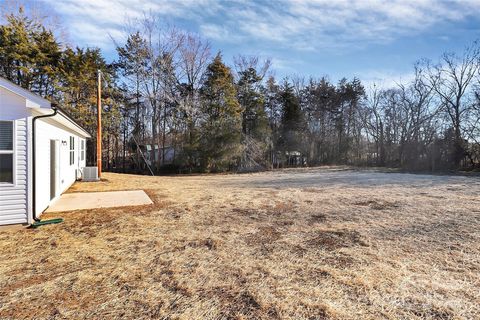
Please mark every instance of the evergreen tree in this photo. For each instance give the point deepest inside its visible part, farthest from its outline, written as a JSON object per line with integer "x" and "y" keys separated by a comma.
{"x": 220, "y": 143}
{"x": 29, "y": 54}
{"x": 132, "y": 65}
{"x": 46, "y": 67}
{"x": 78, "y": 72}
{"x": 255, "y": 125}
{"x": 252, "y": 99}
{"x": 293, "y": 125}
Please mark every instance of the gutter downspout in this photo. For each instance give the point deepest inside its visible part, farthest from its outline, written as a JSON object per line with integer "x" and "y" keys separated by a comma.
{"x": 34, "y": 175}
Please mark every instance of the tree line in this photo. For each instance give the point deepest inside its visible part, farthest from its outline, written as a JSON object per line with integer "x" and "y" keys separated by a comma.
{"x": 172, "y": 104}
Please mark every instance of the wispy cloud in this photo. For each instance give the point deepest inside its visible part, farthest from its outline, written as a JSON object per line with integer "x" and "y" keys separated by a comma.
{"x": 288, "y": 31}
{"x": 305, "y": 25}
{"x": 93, "y": 22}
{"x": 384, "y": 78}
{"x": 219, "y": 32}
{"x": 328, "y": 24}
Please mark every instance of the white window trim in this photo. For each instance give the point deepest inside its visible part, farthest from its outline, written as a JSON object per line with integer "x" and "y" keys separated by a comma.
{"x": 70, "y": 150}
{"x": 82, "y": 150}
{"x": 13, "y": 153}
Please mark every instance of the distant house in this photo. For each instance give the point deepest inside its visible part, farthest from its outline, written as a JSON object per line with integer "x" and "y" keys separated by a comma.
{"x": 42, "y": 151}
{"x": 157, "y": 154}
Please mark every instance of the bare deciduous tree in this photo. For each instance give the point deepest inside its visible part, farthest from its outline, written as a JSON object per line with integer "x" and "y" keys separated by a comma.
{"x": 451, "y": 80}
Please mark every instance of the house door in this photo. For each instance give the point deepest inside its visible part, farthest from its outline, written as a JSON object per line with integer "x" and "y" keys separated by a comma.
{"x": 54, "y": 167}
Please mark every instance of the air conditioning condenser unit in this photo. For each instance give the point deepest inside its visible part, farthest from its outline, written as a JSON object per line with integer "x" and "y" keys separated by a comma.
{"x": 90, "y": 174}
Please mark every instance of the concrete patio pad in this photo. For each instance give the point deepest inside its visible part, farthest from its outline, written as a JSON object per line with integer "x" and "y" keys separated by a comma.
{"x": 92, "y": 200}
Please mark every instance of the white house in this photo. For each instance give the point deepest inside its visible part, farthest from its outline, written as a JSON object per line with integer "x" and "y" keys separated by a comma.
{"x": 42, "y": 151}
{"x": 156, "y": 152}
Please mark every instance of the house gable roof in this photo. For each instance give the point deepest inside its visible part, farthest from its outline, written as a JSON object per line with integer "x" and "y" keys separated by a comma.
{"x": 43, "y": 106}
{"x": 33, "y": 100}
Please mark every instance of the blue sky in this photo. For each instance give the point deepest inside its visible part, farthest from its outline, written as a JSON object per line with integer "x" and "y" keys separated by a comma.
{"x": 377, "y": 41}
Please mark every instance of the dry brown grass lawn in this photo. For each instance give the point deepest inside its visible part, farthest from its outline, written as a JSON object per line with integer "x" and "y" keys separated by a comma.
{"x": 291, "y": 244}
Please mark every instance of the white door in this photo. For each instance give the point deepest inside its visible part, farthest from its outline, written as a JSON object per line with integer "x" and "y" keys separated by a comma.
{"x": 54, "y": 167}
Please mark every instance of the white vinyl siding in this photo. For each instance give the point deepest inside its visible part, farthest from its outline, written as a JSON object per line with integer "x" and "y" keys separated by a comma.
{"x": 48, "y": 129}
{"x": 13, "y": 196}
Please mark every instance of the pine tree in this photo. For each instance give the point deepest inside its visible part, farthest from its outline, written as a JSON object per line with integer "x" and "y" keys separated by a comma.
{"x": 220, "y": 142}
{"x": 29, "y": 54}
{"x": 255, "y": 125}
{"x": 132, "y": 64}
{"x": 78, "y": 72}
{"x": 250, "y": 96}
{"x": 47, "y": 61}
{"x": 293, "y": 124}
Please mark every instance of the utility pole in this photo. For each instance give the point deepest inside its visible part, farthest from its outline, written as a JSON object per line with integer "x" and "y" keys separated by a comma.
{"x": 99, "y": 124}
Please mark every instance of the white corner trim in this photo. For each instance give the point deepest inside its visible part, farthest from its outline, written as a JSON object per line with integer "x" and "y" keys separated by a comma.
{"x": 29, "y": 172}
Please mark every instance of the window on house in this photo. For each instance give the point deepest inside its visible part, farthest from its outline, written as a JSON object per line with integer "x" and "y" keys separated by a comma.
{"x": 6, "y": 152}
{"x": 82, "y": 150}
{"x": 72, "y": 150}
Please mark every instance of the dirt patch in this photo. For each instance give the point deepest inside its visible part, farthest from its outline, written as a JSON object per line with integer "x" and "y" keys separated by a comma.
{"x": 333, "y": 240}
